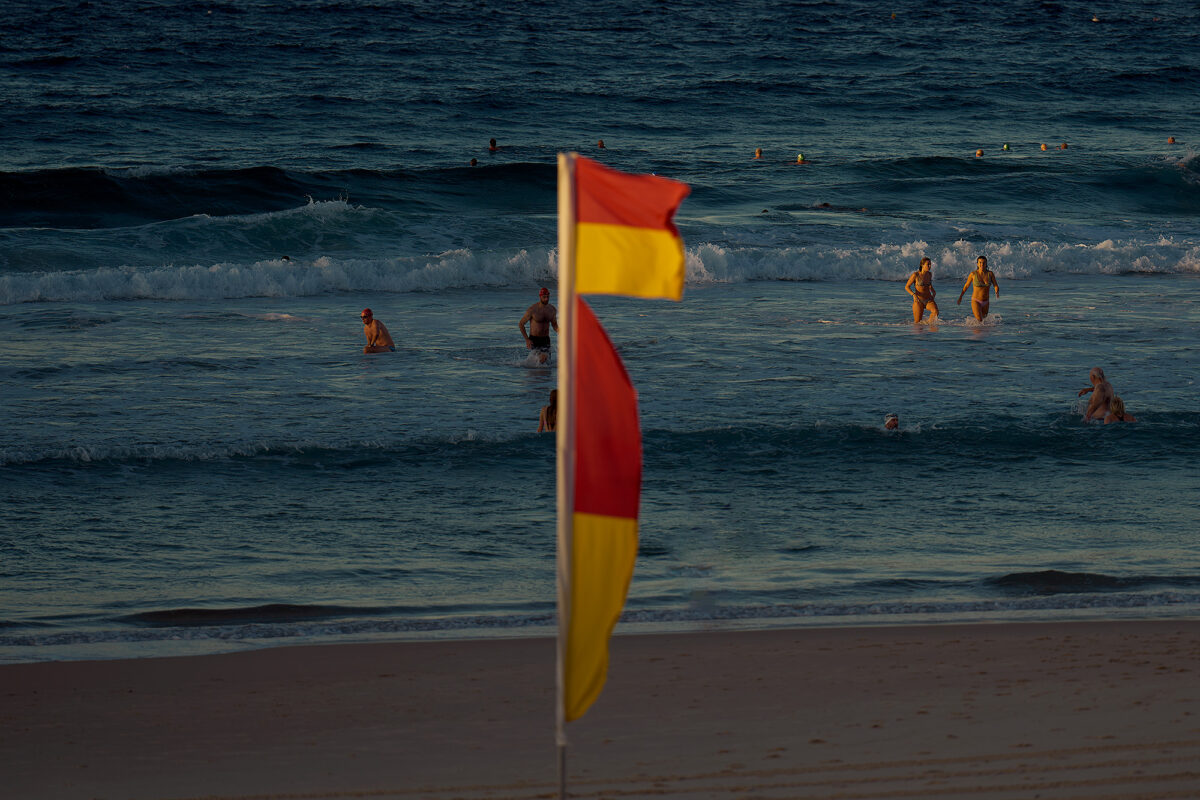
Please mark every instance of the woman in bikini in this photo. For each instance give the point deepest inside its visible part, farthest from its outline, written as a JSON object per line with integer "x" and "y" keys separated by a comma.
{"x": 920, "y": 286}
{"x": 980, "y": 279}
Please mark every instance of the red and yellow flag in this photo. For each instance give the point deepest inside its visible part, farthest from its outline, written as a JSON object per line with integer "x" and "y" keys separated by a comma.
{"x": 615, "y": 237}
{"x": 625, "y": 241}
{"x": 608, "y": 481}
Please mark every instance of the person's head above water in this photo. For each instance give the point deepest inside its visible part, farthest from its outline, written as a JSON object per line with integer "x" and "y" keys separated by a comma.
{"x": 981, "y": 262}
{"x": 544, "y": 294}
{"x": 891, "y": 422}
{"x": 1096, "y": 375}
{"x": 366, "y": 315}
{"x": 925, "y": 262}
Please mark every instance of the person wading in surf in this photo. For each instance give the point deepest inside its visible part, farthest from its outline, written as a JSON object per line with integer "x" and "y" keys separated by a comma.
{"x": 378, "y": 338}
{"x": 920, "y": 286}
{"x": 1102, "y": 395}
{"x": 980, "y": 280}
{"x": 541, "y": 317}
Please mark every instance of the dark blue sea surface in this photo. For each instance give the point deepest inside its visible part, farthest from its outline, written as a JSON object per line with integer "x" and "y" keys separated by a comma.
{"x": 196, "y": 199}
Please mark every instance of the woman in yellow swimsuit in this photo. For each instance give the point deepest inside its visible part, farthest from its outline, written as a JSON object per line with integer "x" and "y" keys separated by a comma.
{"x": 980, "y": 279}
{"x": 920, "y": 286}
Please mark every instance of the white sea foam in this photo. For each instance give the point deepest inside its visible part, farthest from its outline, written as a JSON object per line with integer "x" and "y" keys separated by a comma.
{"x": 707, "y": 264}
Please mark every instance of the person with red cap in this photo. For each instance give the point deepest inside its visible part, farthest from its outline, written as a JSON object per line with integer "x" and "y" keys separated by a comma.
{"x": 541, "y": 317}
{"x": 378, "y": 338}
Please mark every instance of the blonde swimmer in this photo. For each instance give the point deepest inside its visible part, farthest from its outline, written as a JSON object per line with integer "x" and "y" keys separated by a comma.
{"x": 980, "y": 280}
{"x": 920, "y": 286}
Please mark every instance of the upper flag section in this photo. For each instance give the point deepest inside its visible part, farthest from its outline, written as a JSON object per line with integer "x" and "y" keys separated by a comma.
{"x": 625, "y": 240}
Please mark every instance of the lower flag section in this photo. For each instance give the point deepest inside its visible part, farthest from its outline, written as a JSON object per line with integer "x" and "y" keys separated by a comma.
{"x": 608, "y": 477}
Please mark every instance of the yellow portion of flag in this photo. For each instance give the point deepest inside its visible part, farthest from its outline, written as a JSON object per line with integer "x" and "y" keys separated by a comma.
{"x": 620, "y": 259}
{"x": 603, "y": 552}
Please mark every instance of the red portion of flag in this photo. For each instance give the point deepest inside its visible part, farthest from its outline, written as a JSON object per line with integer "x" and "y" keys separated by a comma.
{"x": 610, "y": 197}
{"x": 608, "y": 438}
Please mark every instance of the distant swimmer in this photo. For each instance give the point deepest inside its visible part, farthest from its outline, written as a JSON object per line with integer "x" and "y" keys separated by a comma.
{"x": 541, "y": 317}
{"x": 548, "y": 418}
{"x": 1116, "y": 412}
{"x": 492, "y": 145}
{"x": 980, "y": 280}
{"x": 920, "y": 286}
{"x": 378, "y": 338}
{"x": 600, "y": 144}
{"x": 891, "y": 422}
{"x": 1062, "y": 146}
{"x": 474, "y": 162}
{"x": 757, "y": 152}
{"x": 1043, "y": 148}
{"x": 1102, "y": 395}
{"x": 979, "y": 153}
{"x": 800, "y": 159}
{"x": 1170, "y": 140}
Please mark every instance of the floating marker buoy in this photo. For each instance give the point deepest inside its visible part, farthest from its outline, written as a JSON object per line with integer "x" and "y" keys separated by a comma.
{"x": 1043, "y": 147}
{"x": 979, "y": 153}
{"x": 800, "y": 158}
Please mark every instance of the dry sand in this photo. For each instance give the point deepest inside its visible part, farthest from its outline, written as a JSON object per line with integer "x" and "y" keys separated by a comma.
{"x": 1092, "y": 710}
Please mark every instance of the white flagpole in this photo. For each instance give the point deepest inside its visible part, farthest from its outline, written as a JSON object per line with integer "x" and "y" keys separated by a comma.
{"x": 565, "y": 437}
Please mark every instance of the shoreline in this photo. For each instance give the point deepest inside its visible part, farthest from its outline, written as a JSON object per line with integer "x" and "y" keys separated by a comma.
{"x": 1057, "y": 709}
{"x": 210, "y": 643}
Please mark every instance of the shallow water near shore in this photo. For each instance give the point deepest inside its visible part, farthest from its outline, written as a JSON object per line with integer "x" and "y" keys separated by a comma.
{"x": 204, "y": 495}
{"x": 197, "y": 200}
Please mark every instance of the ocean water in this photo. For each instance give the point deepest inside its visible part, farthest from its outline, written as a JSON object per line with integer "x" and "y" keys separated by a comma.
{"x": 196, "y": 200}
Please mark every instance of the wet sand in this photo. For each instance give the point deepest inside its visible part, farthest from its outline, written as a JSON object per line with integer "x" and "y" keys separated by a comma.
{"x": 1055, "y": 710}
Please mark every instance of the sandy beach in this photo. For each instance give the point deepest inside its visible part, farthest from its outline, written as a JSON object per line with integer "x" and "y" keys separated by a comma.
{"x": 1062, "y": 710}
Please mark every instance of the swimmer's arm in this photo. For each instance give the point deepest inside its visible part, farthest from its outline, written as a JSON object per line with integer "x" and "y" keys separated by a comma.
{"x": 964, "y": 291}
{"x": 542, "y": 421}
{"x": 525, "y": 319}
{"x": 554, "y": 323}
{"x": 911, "y": 278}
{"x": 1085, "y": 390}
{"x": 995, "y": 284}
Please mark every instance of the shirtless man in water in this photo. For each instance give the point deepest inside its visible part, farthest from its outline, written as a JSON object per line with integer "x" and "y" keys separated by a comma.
{"x": 378, "y": 338}
{"x": 980, "y": 280}
{"x": 1102, "y": 395}
{"x": 920, "y": 286}
{"x": 541, "y": 317}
